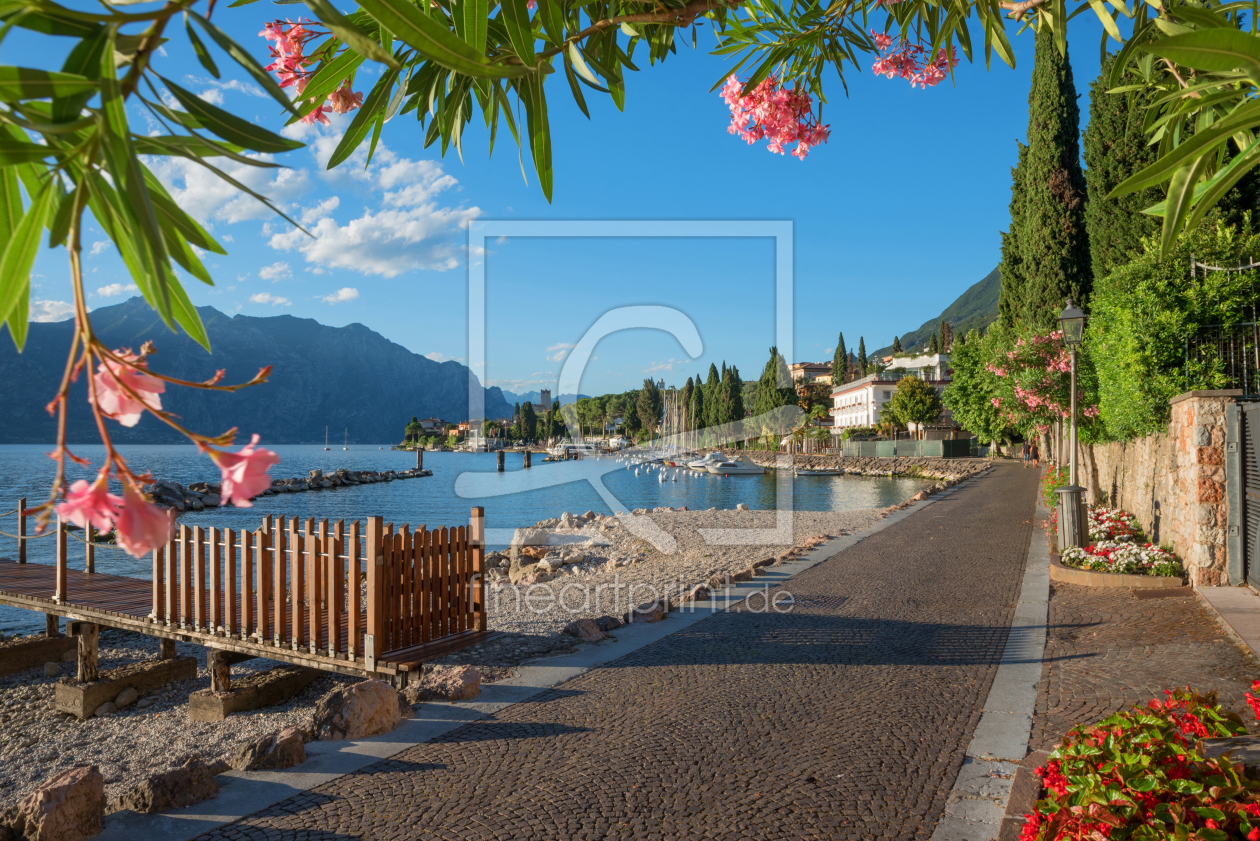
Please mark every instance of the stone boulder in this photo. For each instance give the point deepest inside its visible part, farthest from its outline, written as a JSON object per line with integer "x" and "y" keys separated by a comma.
{"x": 919, "y": 497}
{"x": 721, "y": 581}
{"x": 534, "y": 576}
{"x": 585, "y": 630}
{"x": 446, "y": 683}
{"x": 649, "y": 612}
{"x": 126, "y": 698}
{"x": 699, "y": 593}
{"x": 279, "y": 750}
{"x": 363, "y": 709}
{"x": 67, "y": 807}
{"x": 191, "y": 783}
{"x": 607, "y": 623}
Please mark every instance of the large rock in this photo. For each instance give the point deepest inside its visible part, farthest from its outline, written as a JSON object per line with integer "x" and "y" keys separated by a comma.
{"x": 650, "y": 612}
{"x": 190, "y": 783}
{"x": 358, "y": 711}
{"x": 446, "y": 683}
{"x": 279, "y": 750}
{"x": 585, "y": 630}
{"x": 68, "y": 807}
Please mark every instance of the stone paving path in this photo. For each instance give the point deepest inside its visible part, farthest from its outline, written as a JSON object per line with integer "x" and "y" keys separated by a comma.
{"x": 846, "y": 718}
{"x": 1107, "y": 649}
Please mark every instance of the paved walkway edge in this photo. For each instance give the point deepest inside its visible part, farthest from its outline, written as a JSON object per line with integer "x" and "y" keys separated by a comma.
{"x": 977, "y": 803}
{"x": 244, "y": 793}
{"x": 1238, "y": 611}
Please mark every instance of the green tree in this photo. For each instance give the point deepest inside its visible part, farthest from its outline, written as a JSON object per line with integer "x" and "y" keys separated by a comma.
{"x": 648, "y": 406}
{"x": 1053, "y": 242}
{"x": 770, "y": 394}
{"x": 933, "y": 345}
{"x": 1011, "y": 267}
{"x": 1115, "y": 148}
{"x": 971, "y": 391}
{"x": 733, "y": 389}
{"x": 697, "y": 412}
{"x": 914, "y": 401}
{"x": 861, "y": 358}
{"x": 896, "y": 345}
{"x": 685, "y": 397}
{"x": 840, "y": 363}
{"x": 947, "y": 337}
{"x": 529, "y": 421}
{"x": 712, "y": 397}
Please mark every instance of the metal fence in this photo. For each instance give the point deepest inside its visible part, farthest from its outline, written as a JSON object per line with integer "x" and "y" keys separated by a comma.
{"x": 1221, "y": 356}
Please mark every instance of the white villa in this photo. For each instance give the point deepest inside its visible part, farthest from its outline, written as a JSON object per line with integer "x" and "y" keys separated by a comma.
{"x": 860, "y": 402}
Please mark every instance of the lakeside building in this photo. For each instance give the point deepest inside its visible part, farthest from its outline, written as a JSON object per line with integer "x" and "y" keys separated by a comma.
{"x": 811, "y": 372}
{"x": 432, "y": 424}
{"x": 859, "y": 403}
{"x": 543, "y": 406}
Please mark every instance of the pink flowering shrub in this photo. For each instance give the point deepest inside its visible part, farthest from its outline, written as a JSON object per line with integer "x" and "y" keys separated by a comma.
{"x": 775, "y": 113}
{"x": 1142, "y": 774}
{"x": 913, "y": 62}
{"x": 290, "y": 64}
{"x": 1033, "y": 383}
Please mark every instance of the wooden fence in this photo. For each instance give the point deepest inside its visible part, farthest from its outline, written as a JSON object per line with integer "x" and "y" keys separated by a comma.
{"x": 349, "y": 593}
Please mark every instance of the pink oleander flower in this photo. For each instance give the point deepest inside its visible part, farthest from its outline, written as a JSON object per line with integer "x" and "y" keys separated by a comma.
{"x": 882, "y": 39}
{"x": 111, "y": 398}
{"x": 142, "y": 525}
{"x": 343, "y": 99}
{"x": 319, "y": 115}
{"x": 244, "y": 473}
{"x": 93, "y": 504}
{"x": 775, "y": 113}
{"x": 531, "y": 4}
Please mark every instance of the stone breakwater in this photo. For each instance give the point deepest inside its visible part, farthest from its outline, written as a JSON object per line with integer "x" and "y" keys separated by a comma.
{"x": 928, "y": 468}
{"x": 199, "y": 495}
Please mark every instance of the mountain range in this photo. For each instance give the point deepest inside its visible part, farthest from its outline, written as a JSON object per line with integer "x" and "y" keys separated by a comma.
{"x": 322, "y": 378}
{"x": 976, "y": 308}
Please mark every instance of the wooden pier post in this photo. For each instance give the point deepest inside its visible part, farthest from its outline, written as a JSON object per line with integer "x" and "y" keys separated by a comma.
{"x": 166, "y": 649}
{"x": 525, "y": 463}
{"x": 419, "y": 457}
{"x": 89, "y": 637}
{"x": 52, "y": 625}
{"x": 21, "y": 531}
{"x": 477, "y": 539}
{"x": 220, "y": 671}
{"x": 60, "y": 595}
{"x": 500, "y": 460}
{"x": 375, "y": 592}
{"x": 89, "y": 535}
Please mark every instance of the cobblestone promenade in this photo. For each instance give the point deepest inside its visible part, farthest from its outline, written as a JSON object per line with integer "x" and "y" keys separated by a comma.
{"x": 847, "y": 718}
{"x": 1107, "y": 649}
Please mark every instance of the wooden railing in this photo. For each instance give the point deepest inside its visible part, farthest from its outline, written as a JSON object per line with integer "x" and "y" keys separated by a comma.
{"x": 360, "y": 590}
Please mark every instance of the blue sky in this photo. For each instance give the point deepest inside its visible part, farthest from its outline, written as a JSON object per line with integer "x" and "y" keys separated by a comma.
{"x": 893, "y": 218}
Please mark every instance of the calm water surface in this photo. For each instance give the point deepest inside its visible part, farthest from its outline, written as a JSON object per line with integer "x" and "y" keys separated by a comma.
{"x": 26, "y": 470}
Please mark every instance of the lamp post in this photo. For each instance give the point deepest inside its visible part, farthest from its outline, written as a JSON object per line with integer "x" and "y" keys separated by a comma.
{"x": 1073, "y": 521}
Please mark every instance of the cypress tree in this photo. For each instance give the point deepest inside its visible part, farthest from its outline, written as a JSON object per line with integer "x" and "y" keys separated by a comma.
{"x": 712, "y": 387}
{"x": 734, "y": 389}
{"x": 1011, "y": 268}
{"x": 696, "y": 412}
{"x": 840, "y": 363}
{"x": 1053, "y": 242}
{"x": 933, "y": 345}
{"x": 947, "y": 337}
{"x": 769, "y": 395}
{"x": 1115, "y": 148}
{"x": 861, "y": 357}
{"x": 686, "y": 399}
{"x": 896, "y": 345}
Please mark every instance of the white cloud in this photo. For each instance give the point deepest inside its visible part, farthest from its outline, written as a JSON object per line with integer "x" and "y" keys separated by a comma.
{"x": 116, "y": 289}
{"x": 557, "y": 352}
{"x": 211, "y": 199}
{"x": 216, "y": 88}
{"x": 656, "y": 367}
{"x": 51, "y": 310}
{"x": 226, "y": 237}
{"x": 212, "y": 95}
{"x": 346, "y": 293}
{"x": 276, "y": 271}
{"x": 99, "y": 246}
{"x": 403, "y": 228}
{"x": 268, "y": 298}
{"x": 438, "y": 356}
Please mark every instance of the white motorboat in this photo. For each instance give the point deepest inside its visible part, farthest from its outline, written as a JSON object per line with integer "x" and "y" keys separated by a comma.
{"x": 824, "y": 472}
{"x": 703, "y": 463}
{"x": 737, "y": 466}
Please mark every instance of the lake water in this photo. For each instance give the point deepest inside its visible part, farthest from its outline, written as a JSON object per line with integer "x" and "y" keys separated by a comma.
{"x": 444, "y": 499}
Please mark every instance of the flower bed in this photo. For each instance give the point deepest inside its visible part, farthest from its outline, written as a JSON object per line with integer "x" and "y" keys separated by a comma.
{"x": 1054, "y": 478}
{"x": 1118, "y": 545}
{"x": 1142, "y": 774}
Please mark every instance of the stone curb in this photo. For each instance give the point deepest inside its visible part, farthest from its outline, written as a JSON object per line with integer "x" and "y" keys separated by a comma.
{"x": 1092, "y": 578}
{"x": 1025, "y": 791}
{"x": 243, "y": 793}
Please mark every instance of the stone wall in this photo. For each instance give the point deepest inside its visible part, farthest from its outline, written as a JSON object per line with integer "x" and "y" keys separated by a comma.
{"x": 1173, "y": 482}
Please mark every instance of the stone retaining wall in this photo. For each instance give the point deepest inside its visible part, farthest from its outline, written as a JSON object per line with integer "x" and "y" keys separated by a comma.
{"x": 1173, "y": 482}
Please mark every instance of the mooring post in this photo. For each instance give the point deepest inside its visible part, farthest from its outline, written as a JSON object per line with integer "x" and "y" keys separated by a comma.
{"x": 21, "y": 532}
{"x": 59, "y": 595}
{"x": 89, "y": 535}
{"x": 500, "y": 461}
{"x": 525, "y": 463}
{"x": 52, "y": 625}
{"x": 166, "y": 649}
{"x": 89, "y": 637}
{"x": 220, "y": 671}
{"x": 419, "y": 457}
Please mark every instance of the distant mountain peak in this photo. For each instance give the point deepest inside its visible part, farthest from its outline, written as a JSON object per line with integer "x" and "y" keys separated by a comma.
{"x": 976, "y": 308}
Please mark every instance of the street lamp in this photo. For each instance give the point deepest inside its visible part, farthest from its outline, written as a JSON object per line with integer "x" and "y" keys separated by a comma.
{"x": 1073, "y": 522}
